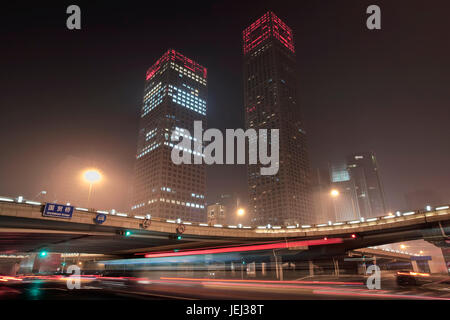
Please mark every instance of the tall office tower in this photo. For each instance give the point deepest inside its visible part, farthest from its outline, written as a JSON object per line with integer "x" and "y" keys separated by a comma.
{"x": 271, "y": 102}
{"x": 345, "y": 203}
{"x": 363, "y": 169}
{"x": 320, "y": 190}
{"x": 174, "y": 97}
{"x": 217, "y": 214}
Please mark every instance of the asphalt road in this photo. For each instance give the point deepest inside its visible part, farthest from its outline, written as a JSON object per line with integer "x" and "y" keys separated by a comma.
{"x": 207, "y": 289}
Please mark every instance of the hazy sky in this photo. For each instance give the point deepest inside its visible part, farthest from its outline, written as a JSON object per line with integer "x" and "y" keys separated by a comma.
{"x": 74, "y": 96}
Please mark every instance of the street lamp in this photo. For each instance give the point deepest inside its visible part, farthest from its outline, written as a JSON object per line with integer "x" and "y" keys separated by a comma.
{"x": 334, "y": 193}
{"x": 240, "y": 212}
{"x": 91, "y": 176}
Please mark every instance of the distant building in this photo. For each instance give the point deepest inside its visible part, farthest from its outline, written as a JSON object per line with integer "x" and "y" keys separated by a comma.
{"x": 217, "y": 214}
{"x": 363, "y": 171}
{"x": 271, "y": 102}
{"x": 175, "y": 96}
{"x": 229, "y": 200}
{"x": 320, "y": 187}
{"x": 345, "y": 205}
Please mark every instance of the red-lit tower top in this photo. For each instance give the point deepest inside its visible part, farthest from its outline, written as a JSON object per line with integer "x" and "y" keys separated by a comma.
{"x": 269, "y": 25}
{"x": 172, "y": 55}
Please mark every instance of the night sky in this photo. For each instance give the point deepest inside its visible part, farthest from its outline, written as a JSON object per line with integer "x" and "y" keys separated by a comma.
{"x": 72, "y": 98}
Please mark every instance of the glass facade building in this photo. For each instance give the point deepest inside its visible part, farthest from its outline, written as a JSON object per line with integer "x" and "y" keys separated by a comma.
{"x": 175, "y": 96}
{"x": 271, "y": 102}
{"x": 363, "y": 169}
{"x": 345, "y": 205}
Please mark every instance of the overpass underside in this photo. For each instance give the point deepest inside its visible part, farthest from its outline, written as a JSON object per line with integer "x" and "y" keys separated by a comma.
{"x": 32, "y": 235}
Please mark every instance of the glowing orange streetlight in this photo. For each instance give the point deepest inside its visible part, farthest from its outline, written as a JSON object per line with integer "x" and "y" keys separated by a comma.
{"x": 334, "y": 193}
{"x": 240, "y": 212}
{"x": 91, "y": 176}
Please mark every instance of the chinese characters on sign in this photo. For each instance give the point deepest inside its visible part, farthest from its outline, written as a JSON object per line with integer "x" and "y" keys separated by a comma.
{"x": 57, "y": 211}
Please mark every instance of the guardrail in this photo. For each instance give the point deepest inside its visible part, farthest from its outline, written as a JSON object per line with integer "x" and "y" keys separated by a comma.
{"x": 329, "y": 226}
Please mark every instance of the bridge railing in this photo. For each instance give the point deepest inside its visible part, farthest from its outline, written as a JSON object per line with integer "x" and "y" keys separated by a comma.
{"x": 391, "y": 217}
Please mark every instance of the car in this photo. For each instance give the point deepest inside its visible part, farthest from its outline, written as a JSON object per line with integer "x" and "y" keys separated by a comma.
{"x": 411, "y": 278}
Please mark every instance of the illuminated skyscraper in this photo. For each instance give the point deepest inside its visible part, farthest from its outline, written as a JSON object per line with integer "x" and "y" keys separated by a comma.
{"x": 320, "y": 190}
{"x": 271, "y": 102}
{"x": 363, "y": 169}
{"x": 175, "y": 96}
{"x": 345, "y": 205}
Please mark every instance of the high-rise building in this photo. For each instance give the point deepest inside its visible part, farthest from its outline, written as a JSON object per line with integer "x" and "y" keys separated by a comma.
{"x": 363, "y": 170}
{"x": 217, "y": 214}
{"x": 320, "y": 189}
{"x": 271, "y": 102}
{"x": 345, "y": 203}
{"x": 175, "y": 96}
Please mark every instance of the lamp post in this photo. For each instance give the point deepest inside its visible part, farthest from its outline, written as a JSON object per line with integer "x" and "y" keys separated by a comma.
{"x": 334, "y": 194}
{"x": 91, "y": 176}
{"x": 240, "y": 213}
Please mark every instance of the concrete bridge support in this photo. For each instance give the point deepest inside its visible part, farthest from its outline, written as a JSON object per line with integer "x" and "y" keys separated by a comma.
{"x": 311, "y": 268}
{"x": 35, "y": 264}
{"x": 9, "y": 267}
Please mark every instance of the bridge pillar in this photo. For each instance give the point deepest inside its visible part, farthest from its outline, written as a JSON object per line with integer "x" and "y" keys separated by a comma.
{"x": 263, "y": 268}
{"x": 446, "y": 255}
{"x": 415, "y": 266}
{"x": 336, "y": 267}
{"x": 362, "y": 268}
{"x": 9, "y": 268}
{"x": 26, "y": 265}
{"x": 35, "y": 264}
{"x": 278, "y": 267}
{"x": 311, "y": 268}
{"x": 281, "y": 270}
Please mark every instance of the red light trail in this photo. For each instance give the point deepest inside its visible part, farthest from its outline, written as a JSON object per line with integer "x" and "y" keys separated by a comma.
{"x": 271, "y": 246}
{"x": 265, "y": 281}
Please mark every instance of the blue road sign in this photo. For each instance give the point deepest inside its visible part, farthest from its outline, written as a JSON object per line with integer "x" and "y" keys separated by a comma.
{"x": 55, "y": 210}
{"x": 100, "y": 218}
{"x": 421, "y": 258}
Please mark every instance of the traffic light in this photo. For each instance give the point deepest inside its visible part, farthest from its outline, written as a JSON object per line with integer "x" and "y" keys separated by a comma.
{"x": 179, "y": 237}
{"x": 125, "y": 233}
{"x": 43, "y": 254}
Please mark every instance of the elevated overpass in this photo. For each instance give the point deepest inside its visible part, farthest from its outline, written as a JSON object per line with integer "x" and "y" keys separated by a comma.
{"x": 23, "y": 228}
